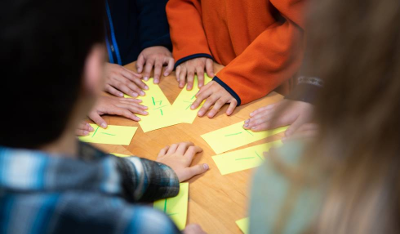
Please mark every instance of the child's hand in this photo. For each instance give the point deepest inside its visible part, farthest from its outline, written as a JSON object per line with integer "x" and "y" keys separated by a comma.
{"x": 283, "y": 113}
{"x": 120, "y": 79}
{"x": 193, "y": 229}
{"x": 84, "y": 129}
{"x": 126, "y": 107}
{"x": 157, "y": 57}
{"x": 216, "y": 95}
{"x": 304, "y": 132}
{"x": 187, "y": 70}
{"x": 179, "y": 157}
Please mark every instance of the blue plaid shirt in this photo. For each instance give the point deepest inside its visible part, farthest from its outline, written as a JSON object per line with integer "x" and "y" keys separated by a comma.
{"x": 95, "y": 193}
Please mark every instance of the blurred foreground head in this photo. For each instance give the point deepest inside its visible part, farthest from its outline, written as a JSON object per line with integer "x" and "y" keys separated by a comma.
{"x": 51, "y": 59}
{"x": 354, "y": 46}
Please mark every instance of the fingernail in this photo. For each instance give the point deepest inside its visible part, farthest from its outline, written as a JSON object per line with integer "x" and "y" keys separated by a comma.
{"x": 144, "y": 112}
{"x": 251, "y": 114}
{"x": 192, "y": 107}
{"x": 138, "y": 119}
{"x": 201, "y": 113}
{"x": 91, "y": 128}
{"x": 103, "y": 125}
{"x": 165, "y": 74}
{"x": 85, "y": 133}
{"x": 146, "y": 78}
{"x": 142, "y": 93}
{"x": 120, "y": 94}
{"x": 205, "y": 166}
{"x": 134, "y": 94}
{"x": 140, "y": 70}
{"x": 246, "y": 125}
{"x": 253, "y": 128}
{"x": 146, "y": 87}
{"x": 247, "y": 121}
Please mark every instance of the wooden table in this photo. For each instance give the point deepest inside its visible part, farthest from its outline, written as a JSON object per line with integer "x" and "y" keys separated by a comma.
{"x": 215, "y": 201}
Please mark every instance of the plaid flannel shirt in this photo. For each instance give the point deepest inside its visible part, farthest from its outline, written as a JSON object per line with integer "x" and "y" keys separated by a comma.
{"x": 92, "y": 194}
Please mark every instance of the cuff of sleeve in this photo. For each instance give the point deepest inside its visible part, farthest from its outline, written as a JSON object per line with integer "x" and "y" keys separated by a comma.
{"x": 227, "y": 88}
{"x": 193, "y": 56}
{"x": 161, "y": 41}
{"x": 307, "y": 89}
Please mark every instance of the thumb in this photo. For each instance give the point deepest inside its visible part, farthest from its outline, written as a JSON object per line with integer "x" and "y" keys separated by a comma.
{"x": 97, "y": 119}
{"x": 195, "y": 170}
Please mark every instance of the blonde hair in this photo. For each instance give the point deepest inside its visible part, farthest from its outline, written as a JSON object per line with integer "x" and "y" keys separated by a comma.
{"x": 355, "y": 47}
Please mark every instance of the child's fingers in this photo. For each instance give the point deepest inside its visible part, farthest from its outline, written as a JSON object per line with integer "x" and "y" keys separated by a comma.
{"x": 133, "y": 108}
{"x": 163, "y": 151}
{"x": 133, "y": 102}
{"x": 305, "y": 131}
{"x": 231, "y": 107}
{"x": 141, "y": 84}
{"x": 97, "y": 119}
{"x": 113, "y": 91}
{"x": 217, "y": 106}
{"x": 182, "y": 147}
{"x": 172, "y": 149}
{"x": 191, "y": 151}
{"x": 200, "y": 96}
{"x": 177, "y": 73}
{"x": 140, "y": 63}
{"x": 200, "y": 77}
{"x": 128, "y": 75}
{"x": 134, "y": 74}
{"x": 130, "y": 100}
{"x": 209, "y": 102}
{"x": 136, "y": 89}
{"x": 123, "y": 85}
{"x": 190, "y": 78}
{"x": 125, "y": 112}
{"x": 210, "y": 67}
{"x": 262, "y": 109}
{"x": 169, "y": 67}
{"x": 195, "y": 170}
{"x": 182, "y": 77}
{"x": 294, "y": 126}
{"x": 81, "y": 132}
{"x": 147, "y": 69}
{"x": 85, "y": 126}
{"x": 157, "y": 70}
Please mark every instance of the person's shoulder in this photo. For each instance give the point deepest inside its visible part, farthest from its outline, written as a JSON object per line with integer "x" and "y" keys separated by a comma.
{"x": 98, "y": 213}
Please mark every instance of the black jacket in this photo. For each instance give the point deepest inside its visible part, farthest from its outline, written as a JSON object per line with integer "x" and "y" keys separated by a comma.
{"x": 139, "y": 24}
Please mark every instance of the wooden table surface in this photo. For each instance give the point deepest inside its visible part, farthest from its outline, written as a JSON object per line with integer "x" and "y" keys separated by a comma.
{"x": 215, "y": 201}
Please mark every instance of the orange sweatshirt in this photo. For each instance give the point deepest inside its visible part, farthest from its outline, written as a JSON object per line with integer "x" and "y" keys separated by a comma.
{"x": 259, "y": 41}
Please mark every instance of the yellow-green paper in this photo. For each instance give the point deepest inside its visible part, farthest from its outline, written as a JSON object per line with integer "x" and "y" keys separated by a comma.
{"x": 176, "y": 207}
{"x": 185, "y": 99}
{"x": 113, "y": 135}
{"x": 234, "y": 136}
{"x": 121, "y": 155}
{"x": 160, "y": 110}
{"x": 243, "y": 225}
{"x": 243, "y": 159}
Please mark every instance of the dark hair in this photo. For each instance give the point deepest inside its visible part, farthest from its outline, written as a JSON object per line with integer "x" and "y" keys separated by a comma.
{"x": 44, "y": 44}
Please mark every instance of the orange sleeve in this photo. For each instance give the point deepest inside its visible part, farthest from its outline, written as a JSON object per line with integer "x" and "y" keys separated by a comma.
{"x": 272, "y": 58}
{"x": 186, "y": 29}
